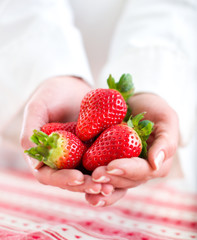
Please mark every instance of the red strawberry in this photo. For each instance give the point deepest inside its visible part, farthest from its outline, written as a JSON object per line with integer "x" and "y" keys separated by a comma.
{"x": 56, "y": 126}
{"x": 61, "y": 149}
{"x": 119, "y": 141}
{"x": 49, "y": 128}
{"x": 102, "y": 108}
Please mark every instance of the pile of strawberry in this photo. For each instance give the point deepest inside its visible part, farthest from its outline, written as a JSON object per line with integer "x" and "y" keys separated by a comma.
{"x": 103, "y": 132}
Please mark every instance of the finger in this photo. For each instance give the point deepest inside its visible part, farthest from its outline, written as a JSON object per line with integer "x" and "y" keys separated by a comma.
{"x": 137, "y": 170}
{"x": 134, "y": 169}
{"x": 107, "y": 189}
{"x": 70, "y": 179}
{"x": 65, "y": 178}
{"x": 166, "y": 125}
{"x": 165, "y": 143}
{"x": 101, "y": 201}
{"x": 91, "y": 187}
{"x": 35, "y": 116}
{"x": 117, "y": 180}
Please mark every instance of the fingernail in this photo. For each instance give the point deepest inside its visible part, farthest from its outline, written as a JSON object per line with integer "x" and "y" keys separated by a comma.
{"x": 102, "y": 179}
{"x": 35, "y": 164}
{"x": 92, "y": 191}
{"x": 106, "y": 194}
{"x": 116, "y": 171}
{"x": 159, "y": 159}
{"x": 99, "y": 204}
{"x": 75, "y": 183}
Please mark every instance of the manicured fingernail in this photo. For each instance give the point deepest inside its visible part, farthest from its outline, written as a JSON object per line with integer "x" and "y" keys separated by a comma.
{"x": 159, "y": 159}
{"x": 75, "y": 183}
{"x": 116, "y": 171}
{"x": 99, "y": 204}
{"x": 102, "y": 179}
{"x": 106, "y": 194}
{"x": 92, "y": 191}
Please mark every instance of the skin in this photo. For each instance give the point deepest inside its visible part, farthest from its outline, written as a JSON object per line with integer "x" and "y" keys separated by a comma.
{"x": 109, "y": 183}
{"x": 129, "y": 173}
{"x": 42, "y": 108}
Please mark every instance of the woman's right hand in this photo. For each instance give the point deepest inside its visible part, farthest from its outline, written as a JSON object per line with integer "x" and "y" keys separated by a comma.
{"x": 57, "y": 100}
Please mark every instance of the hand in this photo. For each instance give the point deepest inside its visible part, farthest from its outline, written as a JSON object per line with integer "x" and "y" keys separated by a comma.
{"x": 162, "y": 145}
{"x": 100, "y": 200}
{"x": 57, "y": 99}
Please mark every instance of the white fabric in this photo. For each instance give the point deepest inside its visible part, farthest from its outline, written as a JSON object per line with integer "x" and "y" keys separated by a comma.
{"x": 154, "y": 40}
{"x": 37, "y": 41}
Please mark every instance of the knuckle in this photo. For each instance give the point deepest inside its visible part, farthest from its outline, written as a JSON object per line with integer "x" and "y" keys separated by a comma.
{"x": 31, "y": 107}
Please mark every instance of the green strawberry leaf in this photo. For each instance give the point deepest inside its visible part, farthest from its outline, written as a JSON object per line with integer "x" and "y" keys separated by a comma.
{"x": 128, "y": 114}
{"x": 146, "y": 127}
{"x": 124, "y": 85}
{"x": 144, "y": 151}
{"x": 44, "y": 144}
{"x": 111, "y": 82}
{"x": 39, "y": 137}
{"x": 143, "y": 128}
{"x": 137, "y": 118}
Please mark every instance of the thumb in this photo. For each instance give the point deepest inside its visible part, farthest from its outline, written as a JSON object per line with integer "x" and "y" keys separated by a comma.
{"x": 165, "y": 142}
{"x": 35, "y": 115}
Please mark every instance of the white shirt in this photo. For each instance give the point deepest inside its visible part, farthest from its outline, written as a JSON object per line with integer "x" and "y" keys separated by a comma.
{"x": 154, "y": 40}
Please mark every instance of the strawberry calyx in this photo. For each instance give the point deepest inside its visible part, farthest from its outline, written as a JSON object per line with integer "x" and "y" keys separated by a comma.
{"x": 143, "y": 128}
{"x": 44, "y": 146}
{"x": 125, "y": 87}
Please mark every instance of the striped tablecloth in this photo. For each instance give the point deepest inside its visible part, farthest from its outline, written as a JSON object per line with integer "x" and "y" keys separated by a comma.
{"x": 30, "y": 210}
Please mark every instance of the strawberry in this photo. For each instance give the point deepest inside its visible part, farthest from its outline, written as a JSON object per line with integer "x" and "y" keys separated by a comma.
{"x": 56, "y": 126}
{"x": 123, "y": 140}
{"x": 48, "y": 128}
{"x": 61, "y": 149}
{"x": 102, "y": 108}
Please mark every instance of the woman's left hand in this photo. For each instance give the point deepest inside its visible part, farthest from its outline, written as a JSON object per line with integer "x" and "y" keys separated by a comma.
{"x": 131, "y": 172}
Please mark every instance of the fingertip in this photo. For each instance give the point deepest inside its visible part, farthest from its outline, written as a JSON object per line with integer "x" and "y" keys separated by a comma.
{"x": 33, "y": 163}
{"x": 107, "y": 190}
{"x": 156, "y": 160}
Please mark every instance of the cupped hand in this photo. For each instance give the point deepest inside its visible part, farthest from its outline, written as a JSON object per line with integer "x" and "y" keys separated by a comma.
{"x": 56, "y": 100}
{"x": 162, "y": 145}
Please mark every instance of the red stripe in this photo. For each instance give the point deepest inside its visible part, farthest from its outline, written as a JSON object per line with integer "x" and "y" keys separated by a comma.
{"x": 58, "y": 234}
{"x": 168, "y": 204}
{"x": 13, "y": 229}
{"x": 158, "y": 220}
{"x": 173, "y": 191}
{"x": 32, "y": 193}
{"x": 54, "y": 235}
{"x": 19, "y": 173}
{"x": 7, "y": 234}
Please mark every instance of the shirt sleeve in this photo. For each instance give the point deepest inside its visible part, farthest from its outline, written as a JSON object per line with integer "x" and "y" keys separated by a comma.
{"x": 155, "y": 41}
{"x": 38, "y": 40}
